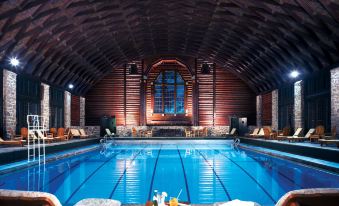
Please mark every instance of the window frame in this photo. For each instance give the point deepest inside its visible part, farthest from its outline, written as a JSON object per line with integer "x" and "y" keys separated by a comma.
{"x": 163, "y": 85}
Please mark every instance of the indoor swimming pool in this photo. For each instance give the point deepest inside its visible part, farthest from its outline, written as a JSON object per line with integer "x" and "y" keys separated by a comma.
{"x": 204, "y": 173}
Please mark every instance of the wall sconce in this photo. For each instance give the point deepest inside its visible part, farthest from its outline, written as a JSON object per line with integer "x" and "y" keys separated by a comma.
{"x": 163, "y": 115}
{"x": 186, "y": 112}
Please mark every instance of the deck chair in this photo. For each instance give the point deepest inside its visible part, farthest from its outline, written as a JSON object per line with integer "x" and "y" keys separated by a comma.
{"x": 41, "y": 136}
{"x": 332, "y": 135}
{"x": 53, "y": 131}
{"x": 254, "y": 133}
{"x": 149, "y": 133}
{"x": 319, "y": 133}
{"x": 60, "y": 136}
{"x": 330, "y": 139}
{"x": 260, "y": 134}
{"x": 232, "y": 133}
{"x": 135, "y": 133}
{"x": 76, "y": 133}
{"x": 296, "y": 135}
{"x": 14, "y": 136}
{"x": 12, "y": 142}
{"x": 204, "y": 132}
{"x": 283, "y": 134}
{"x": 109, "y": 133}
{"x": 83, "y": 133}
{"x": 188, "y": 133}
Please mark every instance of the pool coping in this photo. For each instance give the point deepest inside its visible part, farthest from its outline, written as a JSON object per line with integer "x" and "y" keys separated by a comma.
{"x": 304, "y": 160}
{"x": 7, "y": 168}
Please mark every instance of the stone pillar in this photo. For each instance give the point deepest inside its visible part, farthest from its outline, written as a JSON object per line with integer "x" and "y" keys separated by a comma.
{"x": 45, "y": 105}
{"x": 82, "y": 111}
{"x": 335, "y": 98}
{"x": 67, "y": 108}
{"x": 275, "y": 110}
{"x": 298, "y": 104}
{"x": 259, "y": 111}
{"x": 9, "y": 100}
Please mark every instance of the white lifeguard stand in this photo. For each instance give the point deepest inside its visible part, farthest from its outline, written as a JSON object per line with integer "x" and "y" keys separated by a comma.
{"x": 36, "y": 144}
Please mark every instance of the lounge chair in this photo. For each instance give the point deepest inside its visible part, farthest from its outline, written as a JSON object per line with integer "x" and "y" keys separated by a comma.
{"x": 260, "y": 134}
{"x": 283, "y": 134}
{"x": 204, "y": 132}
{"x": 254, "y": 133}
{"x": 14, "y": 136}
{"x": 149, "y": 133}
{"x": 330, "y": 139}
{"x": 12, "y": 142}
{"x": 60, "y": 136}
{"x": 46, "y": 138}
{"x": 135, "y": 133}
{"x": 296, "y": 136}
{"x": 53, "y": 131}
{"x": 109, "y": 133}
{"x": 83, "y": 133}
{"x": 188, "y": 133}
{"x": 76, "y": 133}
{"x": 232, "y": 133}
{"x": 319, "y": 133}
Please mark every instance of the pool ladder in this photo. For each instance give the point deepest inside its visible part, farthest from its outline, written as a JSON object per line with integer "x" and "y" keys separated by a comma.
{"x": 36, "y": 147}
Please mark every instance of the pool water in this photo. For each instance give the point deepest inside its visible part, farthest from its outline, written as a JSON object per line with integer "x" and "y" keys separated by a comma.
{"x": 206, "y": 173}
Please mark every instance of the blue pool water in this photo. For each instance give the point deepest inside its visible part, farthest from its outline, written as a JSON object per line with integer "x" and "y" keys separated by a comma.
{"x": 206, "y": 173}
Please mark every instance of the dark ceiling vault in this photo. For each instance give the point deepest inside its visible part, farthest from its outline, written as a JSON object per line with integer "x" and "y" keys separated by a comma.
{"x": 80, "y": 41}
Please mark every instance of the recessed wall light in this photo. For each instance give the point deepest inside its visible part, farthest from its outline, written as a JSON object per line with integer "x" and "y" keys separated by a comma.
{"x": 71, "y": 86}
{"x": 14, "y": 61}
{"x": 294, "y": 74}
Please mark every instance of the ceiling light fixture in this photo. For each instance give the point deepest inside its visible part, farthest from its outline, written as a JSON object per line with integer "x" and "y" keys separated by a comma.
{"x": 14, "y": 61}
{"x": 294, "y": 74}
{"x": 71, "y": 86}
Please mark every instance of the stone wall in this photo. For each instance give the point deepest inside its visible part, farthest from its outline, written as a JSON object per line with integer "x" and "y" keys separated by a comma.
{"x": 335, "y": 98}
{"x": 67, "y": 109}
{"x": 298, "y": 104}
{"x": 217, "y": 131}
{"x": 82, "y": 111}
{"x": 45, "y": 106}
{"x": 275, "y": 110}
{"x": 90, "y": 130}
{"x": 9, "y": 100}
{"x": 259, "y": 110}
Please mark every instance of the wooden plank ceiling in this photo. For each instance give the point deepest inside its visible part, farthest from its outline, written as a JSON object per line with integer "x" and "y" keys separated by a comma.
{"x": 80, "y": 41}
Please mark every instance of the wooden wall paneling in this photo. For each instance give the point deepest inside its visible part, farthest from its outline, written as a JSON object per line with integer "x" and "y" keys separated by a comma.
{"x": 2, "y": 129}
{"x": 205, "y": 97}
{"x": 75, "y": 110}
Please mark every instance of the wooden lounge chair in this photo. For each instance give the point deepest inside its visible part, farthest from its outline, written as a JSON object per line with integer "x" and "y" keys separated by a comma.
{"x": 188, "y": 133}
{"x": 53, "y": 131}
{"x": 296, "y": 136}
{"x": 46, "y": 138}
{"x": 319, "y": 133}
{"x": 284, "y": 133}
{"x": 14, "y": 136}
{"x": 332, "y": 135}
{"x": 12, "y": 142}
{"x": 149, "y": 133}
{"x": 204, "y": 132}
{"x": 135, "y": 133}
{"x": 83, "y": 133}
{"x": 330, "y": 139}
{"x": 254, "y": 133}
{"x": 60, "y": 136}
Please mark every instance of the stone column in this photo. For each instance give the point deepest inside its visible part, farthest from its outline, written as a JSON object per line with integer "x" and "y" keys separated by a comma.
{"x": 45, "y": 105}
{"x": 259, "y": 110}
{"x": 67, "y": 109}
{"x": 335, "y": 98}
{"x": 275, "y": 110}
{"x": 82, "y": 111}
{"x": 9, "y": 100}
{"x": 298, "y": 104}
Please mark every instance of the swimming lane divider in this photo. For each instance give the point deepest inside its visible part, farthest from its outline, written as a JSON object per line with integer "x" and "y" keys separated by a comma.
{"x": 183, "y": 170}
{"x": 215, "y": 173}
{"x": 154, "y": 170}
{"x": 249, "y": 175}
{"x": 88, "y": 177}
{"x": 122, "y": 175}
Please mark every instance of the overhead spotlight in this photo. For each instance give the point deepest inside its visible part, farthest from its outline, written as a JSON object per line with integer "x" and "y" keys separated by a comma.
{"x": 294, "y": 74}
{"x": 14, "y": 61}
{"x": 71, "y": 86}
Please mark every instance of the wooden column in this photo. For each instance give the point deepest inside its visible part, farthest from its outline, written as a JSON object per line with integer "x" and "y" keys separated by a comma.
{"x": 214, "y": 93}
{"x": 125, "y": 97}
{"x": 142, "y": 116}
{"x": 196, "y": 95}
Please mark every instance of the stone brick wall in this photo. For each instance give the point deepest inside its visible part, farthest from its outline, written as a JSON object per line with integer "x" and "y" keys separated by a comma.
{"x": 9, "y": 100}
{"x": 82, "y": 111}
{"x": 275, "y": 110}
{"x": 90, "y": 130}
{"x": 298, "y": 104}
{"x": 335, "y": 98}
{"x": 67, "y": 109}
{"x": 259, "y": 110}
{"x": 45, "y": 106}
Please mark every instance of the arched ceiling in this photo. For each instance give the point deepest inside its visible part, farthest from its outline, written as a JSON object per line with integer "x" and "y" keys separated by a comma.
{"x": 80, "y": 41}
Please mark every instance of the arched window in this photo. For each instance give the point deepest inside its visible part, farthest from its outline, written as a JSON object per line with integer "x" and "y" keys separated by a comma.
{"x": 169, "y": 93}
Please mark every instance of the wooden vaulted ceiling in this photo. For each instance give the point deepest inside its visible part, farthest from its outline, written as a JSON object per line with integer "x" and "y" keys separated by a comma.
{"x": 80, "y": 41}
